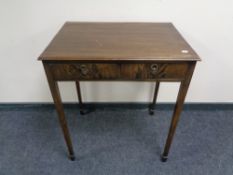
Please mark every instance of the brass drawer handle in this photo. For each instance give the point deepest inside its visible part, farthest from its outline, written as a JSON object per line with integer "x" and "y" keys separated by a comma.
{"x": 154, "y": 68}
{"x": 84, "y": 70}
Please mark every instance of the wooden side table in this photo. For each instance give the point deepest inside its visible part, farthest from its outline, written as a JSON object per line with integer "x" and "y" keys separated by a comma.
{"x": 86, "y": 51}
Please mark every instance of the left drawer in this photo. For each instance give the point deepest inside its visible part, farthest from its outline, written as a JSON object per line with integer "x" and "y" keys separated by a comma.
{"x": 85, "y": 71}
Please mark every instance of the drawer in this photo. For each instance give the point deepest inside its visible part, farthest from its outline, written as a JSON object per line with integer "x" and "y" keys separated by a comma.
{"x": 85, "y": 71}
{"x": 119, "y": 71}
{"x": 151, "y": 71}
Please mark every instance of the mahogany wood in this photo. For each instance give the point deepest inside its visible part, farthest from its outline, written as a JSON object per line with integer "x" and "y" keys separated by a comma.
{"x": 152, "y": 106}
{"x": 60, "y": 111}
{"x": 86, "y": 51}
{"x": 118, "y": 41}
{"x": 79, "y": 97}
{"x": 177, "y": 110}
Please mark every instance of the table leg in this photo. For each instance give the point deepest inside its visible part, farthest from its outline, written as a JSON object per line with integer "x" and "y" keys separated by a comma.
{"x": 79, "y": 97}
{"x": 152, "y": 105}
{"x": 59, "y": 107}
{"x": 177, "y": 111}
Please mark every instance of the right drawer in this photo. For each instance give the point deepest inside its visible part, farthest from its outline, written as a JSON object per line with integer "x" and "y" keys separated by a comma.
{"x": 152, "y": 71}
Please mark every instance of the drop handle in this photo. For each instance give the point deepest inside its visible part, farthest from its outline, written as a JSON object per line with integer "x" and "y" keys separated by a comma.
{"x": 83, "y": 69}
{"x": 154, "y": 68}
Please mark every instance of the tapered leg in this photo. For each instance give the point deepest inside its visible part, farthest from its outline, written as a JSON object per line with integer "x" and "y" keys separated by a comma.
{"x": 152, "y": 105}
{"x": 79, "y": 98}
{"x": 59, "y": 107}
{"x": 177, "y": 111}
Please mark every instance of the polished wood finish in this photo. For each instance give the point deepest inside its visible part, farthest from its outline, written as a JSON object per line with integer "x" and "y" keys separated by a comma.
{"x": 154, "y": 52}
{"x": 119, "y": 71}
{"x": 177, "y": 110}
{"x": 53, "y": 85}
{"x": 118, "y": 41}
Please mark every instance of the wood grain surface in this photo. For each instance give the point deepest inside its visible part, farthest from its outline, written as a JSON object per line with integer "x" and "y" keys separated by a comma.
{"x": 118, "y": 41}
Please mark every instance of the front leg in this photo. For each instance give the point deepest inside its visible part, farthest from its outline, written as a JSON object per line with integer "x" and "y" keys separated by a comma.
{"x": 60, "y": 111}
{"x": 184, "y": 85}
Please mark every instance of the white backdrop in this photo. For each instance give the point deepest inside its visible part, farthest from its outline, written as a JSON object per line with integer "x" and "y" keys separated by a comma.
{"x": 27, "y": 26}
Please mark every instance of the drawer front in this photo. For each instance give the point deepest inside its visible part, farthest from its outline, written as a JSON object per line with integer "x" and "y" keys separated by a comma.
{"x": 153, "y": 71}
{"x": 123, "y": 71}
{"x": 86, "y": 71}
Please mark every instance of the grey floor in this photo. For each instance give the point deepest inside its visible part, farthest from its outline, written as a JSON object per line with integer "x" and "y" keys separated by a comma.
{"x": 115, "y": 142}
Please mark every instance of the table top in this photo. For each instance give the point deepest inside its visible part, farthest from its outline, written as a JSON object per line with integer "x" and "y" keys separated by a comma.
{"x": 88, "y": 41}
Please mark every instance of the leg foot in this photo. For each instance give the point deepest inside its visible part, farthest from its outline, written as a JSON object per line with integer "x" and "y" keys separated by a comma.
{"x": 72, "y": 157}
{"x": 163, "y": 158}
{"x": 82, "y": 112}
{"x": 151, "y": 111}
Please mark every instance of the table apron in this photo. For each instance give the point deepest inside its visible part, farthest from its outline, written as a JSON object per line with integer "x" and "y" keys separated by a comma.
{"x": 118, "y": 71}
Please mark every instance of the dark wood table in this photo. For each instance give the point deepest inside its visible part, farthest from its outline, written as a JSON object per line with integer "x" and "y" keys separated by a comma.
{"x": 86, "y": 51}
